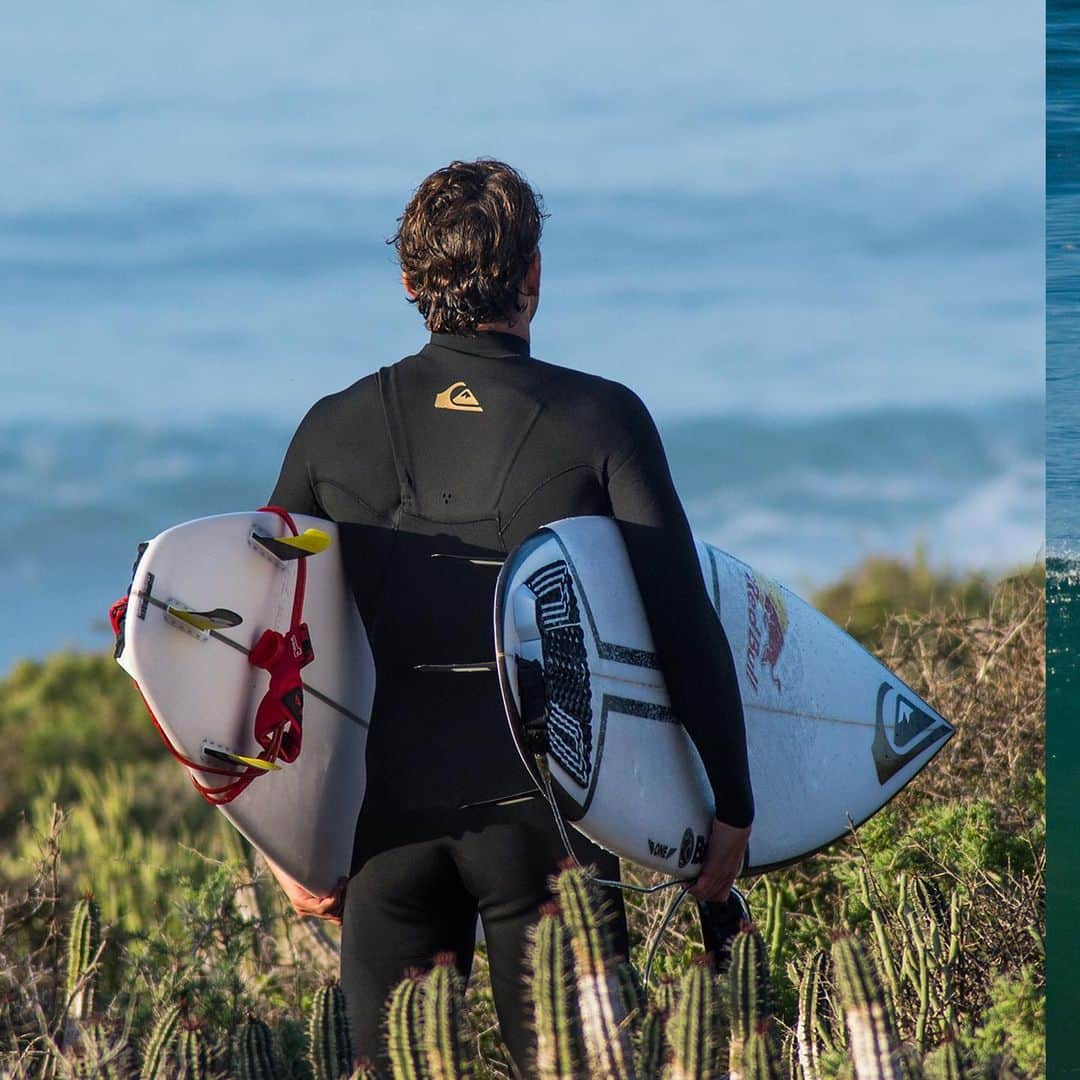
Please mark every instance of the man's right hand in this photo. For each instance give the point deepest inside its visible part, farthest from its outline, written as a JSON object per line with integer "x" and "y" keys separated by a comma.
{"x": 723, "y": 862}
{"x": 303, "y": 902}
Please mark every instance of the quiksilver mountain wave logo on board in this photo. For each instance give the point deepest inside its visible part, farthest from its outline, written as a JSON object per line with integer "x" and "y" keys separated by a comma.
{"x": 913, "y": 731}
{"x": 459, "y": 397}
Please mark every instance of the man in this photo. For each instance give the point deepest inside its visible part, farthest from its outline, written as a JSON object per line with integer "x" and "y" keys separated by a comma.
{"x": 462, "y": 451}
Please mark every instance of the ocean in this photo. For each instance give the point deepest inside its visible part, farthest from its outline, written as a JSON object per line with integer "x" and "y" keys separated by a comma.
{"x": 1063, "y": 533}
{"x": 812, "y": 244}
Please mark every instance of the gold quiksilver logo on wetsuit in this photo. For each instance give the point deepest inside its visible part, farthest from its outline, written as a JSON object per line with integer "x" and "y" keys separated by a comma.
{"x": 459, "y": 397}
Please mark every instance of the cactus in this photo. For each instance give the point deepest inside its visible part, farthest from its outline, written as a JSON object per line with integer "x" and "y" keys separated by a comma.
{"x": 162, "y": 1037}
{"x": 444, "y": 1007}
{"x": 84, "y": 1064}
{"x": 653, "y": 1048}
{"x": 194, "y": 1055}
{"x": 84, "y": 937}
{"x": 329, "y": 1046}
{"x": 874, "y": 1044}
{"x": 938, "y": 921}
{"x": 666, "y": 995}
{"x": 791, "y": 1067}
{"x": 365, "y": 1070}
{"x": 886, "y": 958}
{"x": 931, "y": 934}
{"x": 605, "y": 1023}
{"x": 405, "y": 1030}
{"x": 255, "y": 1055}
{"x": 774, "y": 921}
{"x": 922, "y": 986}
{"x": 952, "y": 958}
{"x": 117, "y": 1059}
{"x": 559, "y": 1050}
{"x": 760, "y": 1060}
{"x": 926, "y": 920}
{"x": 635, "y": 1000}
{"x": 695, "y": 1027}
{"x": 809, "y": 1022}
{"x": 944, "y": 1063}
{"x": 96, "y": 1055}
{"x": 931, "y": 903}
{"x": 748, "y": 994}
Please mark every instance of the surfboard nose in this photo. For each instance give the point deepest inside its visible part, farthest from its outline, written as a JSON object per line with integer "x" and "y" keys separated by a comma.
{"x": 905, "y": 727}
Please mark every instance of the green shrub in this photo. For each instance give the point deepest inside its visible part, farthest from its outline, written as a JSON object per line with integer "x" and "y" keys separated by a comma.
{"x": 72, "y": 707}
{"x": 1014, "y": 1026}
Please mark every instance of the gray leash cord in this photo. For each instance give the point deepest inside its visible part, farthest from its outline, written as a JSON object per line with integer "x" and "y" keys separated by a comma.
{"x": 624, "y": 886}
{"x": 673, "y": 907}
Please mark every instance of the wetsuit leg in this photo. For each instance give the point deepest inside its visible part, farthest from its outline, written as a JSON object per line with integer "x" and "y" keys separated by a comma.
{"x": 402, "y": 906}
{"x": 506, "y": 860}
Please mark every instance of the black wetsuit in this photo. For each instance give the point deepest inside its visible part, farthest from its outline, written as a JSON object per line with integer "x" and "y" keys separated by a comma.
{"x": 464, "y": 450}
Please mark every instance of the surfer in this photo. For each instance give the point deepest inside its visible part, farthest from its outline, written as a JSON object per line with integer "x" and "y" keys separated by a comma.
{"x": 434, "y": 469}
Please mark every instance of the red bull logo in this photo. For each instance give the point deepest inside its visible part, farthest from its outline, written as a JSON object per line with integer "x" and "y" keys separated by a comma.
{"x": 767, "y": 623}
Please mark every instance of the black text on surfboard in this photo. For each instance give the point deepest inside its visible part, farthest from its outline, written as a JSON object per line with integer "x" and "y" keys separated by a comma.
{"x": 661, "y": 851}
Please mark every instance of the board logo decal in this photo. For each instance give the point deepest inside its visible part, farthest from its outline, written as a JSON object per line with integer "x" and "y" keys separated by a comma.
{"x": 692, "y": 848}
{"x": 913, "y": 731}
{"x": 767, "y": 623}
{"x": 661, "y": 851}
{"x": 459, "y": 397}
{"x": 566, "y": 670}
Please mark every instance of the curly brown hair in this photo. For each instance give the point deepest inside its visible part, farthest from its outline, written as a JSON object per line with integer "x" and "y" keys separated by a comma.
{"x": 466, "y": 241}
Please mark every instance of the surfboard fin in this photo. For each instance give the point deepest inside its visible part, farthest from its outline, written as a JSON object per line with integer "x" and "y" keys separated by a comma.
{"x": 287, "y": 548}
{"x": 204, "y": 621}
{"x": 240, "y": 759}
{"x": 459, "y": 669}
{"x": 476, "y": 560}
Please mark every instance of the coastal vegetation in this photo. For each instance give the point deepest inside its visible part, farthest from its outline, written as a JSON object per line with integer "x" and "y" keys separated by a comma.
{"x": 140, "y": 935}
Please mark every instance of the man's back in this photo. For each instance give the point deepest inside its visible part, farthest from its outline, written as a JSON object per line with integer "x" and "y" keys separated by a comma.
{"x": 490, "y": 433}
{"x": 461, "y": 450}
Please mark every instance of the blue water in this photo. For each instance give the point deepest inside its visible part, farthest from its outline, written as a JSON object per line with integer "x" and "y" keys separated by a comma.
{"x": 1063, "y": 281}
{"x": 1063, "y": 533}
{"x": 812, "y": 244}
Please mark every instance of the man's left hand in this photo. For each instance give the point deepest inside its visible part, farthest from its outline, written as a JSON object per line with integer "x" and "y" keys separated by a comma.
{"x": 305, "y": 903}
{"x": 724, "y": 856}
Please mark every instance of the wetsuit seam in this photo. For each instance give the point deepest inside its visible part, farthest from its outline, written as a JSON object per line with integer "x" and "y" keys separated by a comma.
{"x": 541, "y": 407}
{"x": 612, "y": 473}
{"x": 381, "y": 515}
{"x": 512, "y": 461}
{"x": 543, "y": 483}
{"x": 313, "y": 489}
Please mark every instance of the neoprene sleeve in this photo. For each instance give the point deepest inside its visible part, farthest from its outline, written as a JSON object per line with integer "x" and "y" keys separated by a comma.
{"x": 687, "y": 633}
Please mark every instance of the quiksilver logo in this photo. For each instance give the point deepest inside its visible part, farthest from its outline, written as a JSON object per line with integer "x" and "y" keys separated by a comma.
{"x": 914, "y": 731}
{"x": 459, "y": 397}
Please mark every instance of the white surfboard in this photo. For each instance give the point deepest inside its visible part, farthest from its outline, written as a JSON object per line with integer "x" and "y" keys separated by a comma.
{"x": 832, "y": 734}
{"x": 204, "y": 693}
